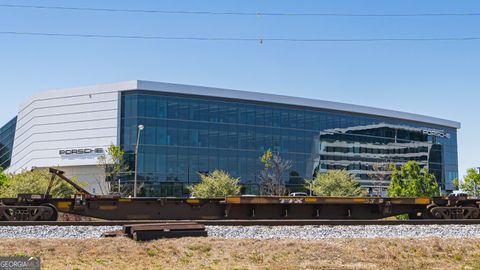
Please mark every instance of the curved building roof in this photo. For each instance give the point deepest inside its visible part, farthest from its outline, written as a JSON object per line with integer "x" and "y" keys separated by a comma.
{"x": 238, "y": 94}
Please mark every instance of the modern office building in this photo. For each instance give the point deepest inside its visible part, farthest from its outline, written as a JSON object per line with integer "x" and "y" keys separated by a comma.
{"x": 191, "y": 129}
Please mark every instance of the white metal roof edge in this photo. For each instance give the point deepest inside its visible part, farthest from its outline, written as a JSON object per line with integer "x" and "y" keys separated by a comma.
{"x": 282, "y": 99}
{"x": 236, "y": 94}
{"x": 81, "y": 90}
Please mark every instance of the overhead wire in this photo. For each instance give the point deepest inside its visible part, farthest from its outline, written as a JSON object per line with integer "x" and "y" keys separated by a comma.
{"x": 261, "y": 40}
{"x": 227, "y": 13}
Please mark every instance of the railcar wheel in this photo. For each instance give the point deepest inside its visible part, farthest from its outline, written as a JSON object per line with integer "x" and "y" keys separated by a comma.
{"x": 5, "y": 213}
{"x": 50, "y": 213}
{"x": 462, "y": 212}
{"x": 473, "y": 211}
{"x": 45, "y": 212}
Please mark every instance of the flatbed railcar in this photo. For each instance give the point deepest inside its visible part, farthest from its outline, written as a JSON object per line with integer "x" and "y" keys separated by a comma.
{"x": 42, "y": 207}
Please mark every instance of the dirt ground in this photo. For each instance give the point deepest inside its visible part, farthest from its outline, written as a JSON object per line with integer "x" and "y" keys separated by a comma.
{"x": 214, "y": 253}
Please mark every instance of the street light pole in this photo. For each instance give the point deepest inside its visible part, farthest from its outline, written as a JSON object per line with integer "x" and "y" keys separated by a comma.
{"x": 140, "y": 128}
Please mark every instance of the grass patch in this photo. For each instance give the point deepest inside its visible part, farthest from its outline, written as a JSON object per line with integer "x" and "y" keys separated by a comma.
{"x": 211, "y": 253}
{"x": 201, "y": 248}
{"x": 152, "y": 252}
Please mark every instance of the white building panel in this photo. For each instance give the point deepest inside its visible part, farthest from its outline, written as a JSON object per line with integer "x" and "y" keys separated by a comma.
{"x": 78, "y": 118}
{"x": 75, "y": 112}
{"x": 67, "y": 126}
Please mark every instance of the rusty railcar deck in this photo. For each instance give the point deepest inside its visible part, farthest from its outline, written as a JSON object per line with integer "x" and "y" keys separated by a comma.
{"x": 236, "y": 207}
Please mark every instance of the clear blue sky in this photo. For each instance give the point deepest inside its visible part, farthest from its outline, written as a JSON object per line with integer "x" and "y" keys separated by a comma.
{"x": 440, "y": 79}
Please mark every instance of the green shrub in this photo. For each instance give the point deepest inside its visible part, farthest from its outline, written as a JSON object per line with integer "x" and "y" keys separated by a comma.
{"x": 335, "y": 183}
{"x": 35, "y": 181}
{"x": 216, "y": 184}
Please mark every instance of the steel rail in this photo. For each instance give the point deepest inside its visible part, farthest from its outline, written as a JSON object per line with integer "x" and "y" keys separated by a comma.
{"x": 260, "y": 222}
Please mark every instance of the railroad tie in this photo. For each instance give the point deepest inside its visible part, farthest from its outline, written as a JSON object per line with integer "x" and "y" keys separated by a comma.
{"x": 153, "y": 231}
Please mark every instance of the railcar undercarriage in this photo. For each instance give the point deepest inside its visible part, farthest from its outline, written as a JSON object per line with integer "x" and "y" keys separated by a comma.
{"x": 42, "y": 207}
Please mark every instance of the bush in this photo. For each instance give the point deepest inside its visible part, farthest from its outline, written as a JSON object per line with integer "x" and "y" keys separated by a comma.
{"x": 335, "y": 183}
{"x": 411, "y": 181}
{"x": 216, "y": 184}
{"x": 35, "y": 181}
{"x": 3, "y": 178}
{"x": 471, "y": 182}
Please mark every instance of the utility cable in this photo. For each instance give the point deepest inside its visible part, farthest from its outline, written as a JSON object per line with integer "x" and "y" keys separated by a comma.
{"x": 289, "y": 14}
{"x": 261, "y": 40}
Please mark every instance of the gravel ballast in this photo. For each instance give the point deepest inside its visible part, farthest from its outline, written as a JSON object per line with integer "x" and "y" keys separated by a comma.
{"x": 79, "y": 232}
{"x": 360, "y": 231}
{"x": 264, "y": 232}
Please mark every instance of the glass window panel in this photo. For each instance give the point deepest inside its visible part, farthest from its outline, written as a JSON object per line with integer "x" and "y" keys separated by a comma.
{"x": 161, "y": 130}
{"x": 223, "y": 160}
{"x": 172, "y": 134}
{"x": 203, "y": 154}
{"x": 183, "y": 110}
{"x": 292, "y": 119}
{"x": 242, "y": 137}
{"x": 309, "y": 120}
{"x": 213, "y": 135}
{"x": 140, "y": 160}
{"x": 193, "y": 160}
{"x": 127, "y": 105}
{"x": 212, "y": 160}
{"x": 233, "y": 163}
{"x": 193, "y": 136}
{"x": 231, "y": 113}
{"x": 285, "y": 119}
{"x": 223, "y": 137}
{"x": 222, "y": 112}
{"x": 202, "y": 111}
{"x": 259, "y": 116}
{"x": 161, "y": 107}
{"x": 250, "y": 139}
{"x": 268, "y": 113}
{"x": 250, "y": 115}
{"x": 149, "y": 161}
{"x": 160, "y": 160}
{"x": 172, "y": 163}
{"x": 232, "y": 139}
{"x": 277, "y": 117}
{"x": 214, "y": 112}
{"x": 203, "y": 135}
{"x": 151, "y": 107}
{"x": 242, "y": 164}
{"x": 142, "y": 107}
{"x": 300, "y": 119}
{"x": 172, "y": 111}
{"x": 183, "y": 137}
{"x": 242, "y": 114}
{"x": 150, "y": 133}
{"x": 183, "y": 161}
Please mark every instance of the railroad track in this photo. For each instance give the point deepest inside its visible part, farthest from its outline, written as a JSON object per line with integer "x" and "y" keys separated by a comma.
{"x": 264, "y": 222}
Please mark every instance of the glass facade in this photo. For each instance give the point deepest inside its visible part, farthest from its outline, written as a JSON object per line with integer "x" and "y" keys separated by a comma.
{"x": 187, "y": 135}
{"x": 7, "y": 135}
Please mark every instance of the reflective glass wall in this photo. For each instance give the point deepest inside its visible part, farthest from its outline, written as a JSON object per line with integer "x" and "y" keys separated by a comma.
{"x": 7, "y": 134}
{"x": 186, "y": 135}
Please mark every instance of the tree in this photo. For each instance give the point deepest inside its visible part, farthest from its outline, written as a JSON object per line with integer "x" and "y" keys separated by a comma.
{"x": 456, "y": 183}
{"x": 35, "y": 181}
{"x": 378, "y": 177}
{"x": 411, "y": 181}
{"x": 335, "y": 183}
{"x": 216, "y": 184}
{"x": 3, "y": 178}
{"x": 113, "y": 164}
{"x": 471, "y": 182}
{"x": 271, "y": 182}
